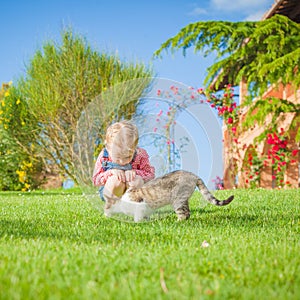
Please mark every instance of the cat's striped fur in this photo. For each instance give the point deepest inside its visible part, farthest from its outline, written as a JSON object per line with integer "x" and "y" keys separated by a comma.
{"x": 174, "y": 188}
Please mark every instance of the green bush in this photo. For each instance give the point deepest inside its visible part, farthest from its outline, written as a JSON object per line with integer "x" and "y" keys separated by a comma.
{"x": 61, "y": 80}
{"x": 19, "y": 163}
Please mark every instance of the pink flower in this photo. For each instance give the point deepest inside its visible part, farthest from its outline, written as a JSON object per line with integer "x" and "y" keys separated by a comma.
{"x": 158, "y": 92}
{"x": 154, "y": 129}
{"x": 174, "y": 89}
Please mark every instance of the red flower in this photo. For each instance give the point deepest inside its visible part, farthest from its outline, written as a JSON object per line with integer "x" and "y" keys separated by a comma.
{"x": 229, "y": 120}
{"x": 295, "y": 152}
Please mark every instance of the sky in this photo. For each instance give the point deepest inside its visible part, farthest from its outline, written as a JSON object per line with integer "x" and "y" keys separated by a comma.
{"x": 133, "y": 29}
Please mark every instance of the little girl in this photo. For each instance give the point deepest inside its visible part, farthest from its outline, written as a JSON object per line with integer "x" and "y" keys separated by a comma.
{"x": 121, "y": 164}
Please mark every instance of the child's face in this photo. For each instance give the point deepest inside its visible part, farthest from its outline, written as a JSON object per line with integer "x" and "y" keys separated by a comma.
{"x": 120, "y": 156}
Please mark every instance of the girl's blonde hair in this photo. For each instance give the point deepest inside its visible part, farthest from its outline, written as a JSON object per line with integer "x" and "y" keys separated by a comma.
{"x": 122, "y": 135}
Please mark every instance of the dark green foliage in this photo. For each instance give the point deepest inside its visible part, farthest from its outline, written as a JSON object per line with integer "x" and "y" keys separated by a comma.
{"x": 263, "y": 52}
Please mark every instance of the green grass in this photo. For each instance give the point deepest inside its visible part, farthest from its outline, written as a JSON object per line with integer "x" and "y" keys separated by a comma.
{"x": 55, "y": 245}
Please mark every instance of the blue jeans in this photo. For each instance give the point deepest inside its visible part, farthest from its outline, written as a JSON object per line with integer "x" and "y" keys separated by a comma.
{"x": 101, "y": 193}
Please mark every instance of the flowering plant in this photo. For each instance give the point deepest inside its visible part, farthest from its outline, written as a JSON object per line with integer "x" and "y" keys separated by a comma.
{"x": 253, "y": 167}
{"x": 178, "y": 99}
{"x": 218, "y": 181}
{"x": 279, "y": 155}
{"x": 226, "y": 106}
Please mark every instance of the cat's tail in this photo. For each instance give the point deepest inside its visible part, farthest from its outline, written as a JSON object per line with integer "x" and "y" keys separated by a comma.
{"x": 209, "y": 197}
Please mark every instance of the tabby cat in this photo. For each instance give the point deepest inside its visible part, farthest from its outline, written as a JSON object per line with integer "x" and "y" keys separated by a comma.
{"x": 174, "y": 188}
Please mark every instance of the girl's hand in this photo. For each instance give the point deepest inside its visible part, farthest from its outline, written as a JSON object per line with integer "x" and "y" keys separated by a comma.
{"x": 130, "y": 175}
{"x": 120, "y": 174}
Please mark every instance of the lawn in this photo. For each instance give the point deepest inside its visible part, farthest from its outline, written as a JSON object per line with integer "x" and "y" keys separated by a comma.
{"x": 55, "y": 245}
